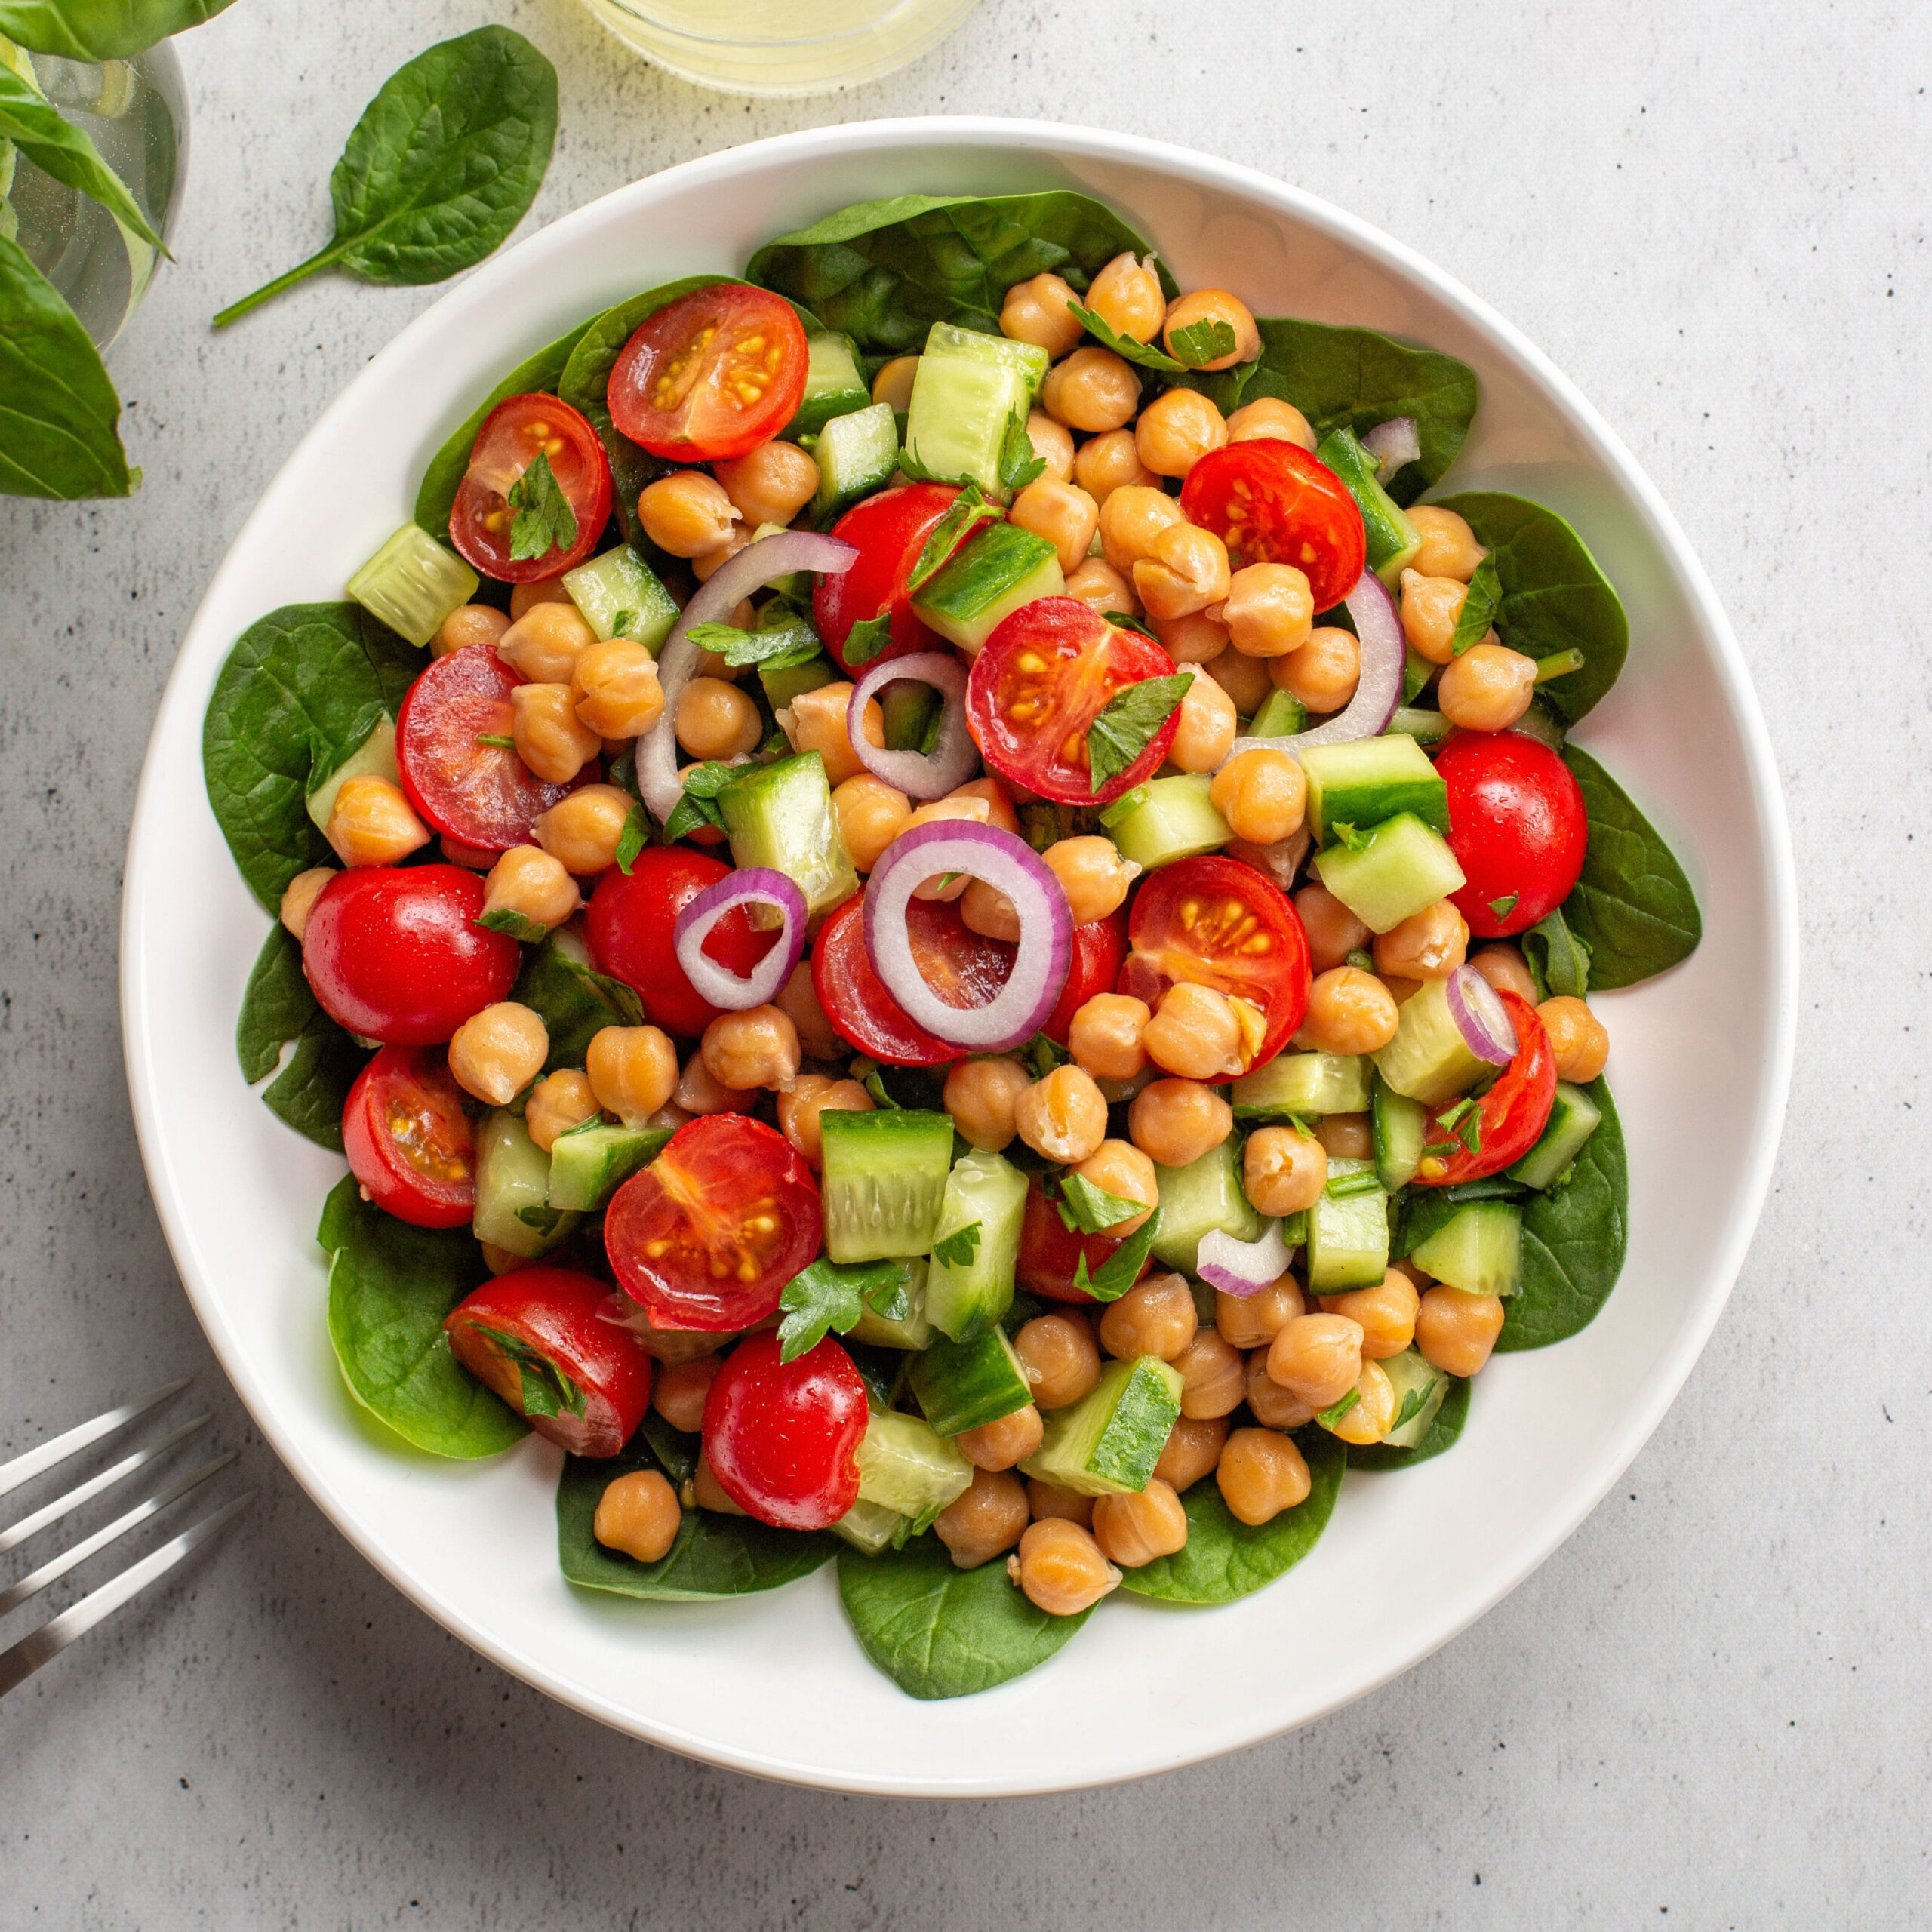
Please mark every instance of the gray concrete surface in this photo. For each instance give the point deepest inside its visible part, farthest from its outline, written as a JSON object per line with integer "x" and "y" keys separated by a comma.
{"x": 1711, "y": 1709}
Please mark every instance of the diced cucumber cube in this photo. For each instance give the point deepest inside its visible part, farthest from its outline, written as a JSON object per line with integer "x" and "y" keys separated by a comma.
{"x": 513, "y": 1210}
{"x": 780, "y": 815}
{"x": 1027, "y": 362}
{"x": 962, "y": 408}
{"x": 885, "y": 1174}
{"x": 1348, "y": 1239}
{"x": 904, "y": 1465}
{"x": 793, "y": 681}
{"x": 1393, "y": 540}
{"x": 1107, "y": 1443}
{"x": 966, "y": 1385}
{"x": 1367, "y": 780}
{"x": 1400, "y": 1126}
{"x": 413, "y": 583}
{"x": 1393, "y": 873}
{"x": 1426, "y": 728}
{"x": 1167, "y": 819}
{"x": 1428, "y": 1059}
{"x": 1310, "y": 1083}
{"x": 869, "y": 1527}
{"x": 915, "y": 1333}
{"x": 1281, "y": 715}
{"x": 834, "y": 385}
{"x": 969, "y": 1286}
{"x": 1200, "y": 1198}
{"x": 373, "y": 757}
{"x": 1573, "y": 1118}
{"x": 1420, "y": 1387}
{"x": 996, "y": 570}
{"x": 590, "y": 1163}
{"x": 621, "y": 584}
{"x": 1479, "y": 1248}
{"x": 856, "y": 455}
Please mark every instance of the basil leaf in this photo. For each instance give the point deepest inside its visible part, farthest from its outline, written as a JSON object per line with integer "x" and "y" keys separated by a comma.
{"x": 1130, "y": 722}
{"x": 444, "y": 164}
{"x": 1443, "y": 1433}
{"x": 100, "y": 29}
{"x": 1632, "y": 905}
{"x": 55, "y": 146}
{"x": 574, "y": 1001}
{"x": 826, "y": 1296}
{"x": 956, "y": 1250}
{"x": 505, "y": 919}
{"x": 545, "y": 522}
{"x": 635, "y": 837}
{"x": 390, "y": 1286}
{"x": 1087, "y": 1210}
{"x": 1122, "y": 1269}
{"x": 309, "y": 1093}
{"x": 867, "y": 639}
{"x": 62, "y": 438}
{"x": 1144, "y": 353}
{"x": 1480, "y": 602}
{"x": 1558, "y": 960}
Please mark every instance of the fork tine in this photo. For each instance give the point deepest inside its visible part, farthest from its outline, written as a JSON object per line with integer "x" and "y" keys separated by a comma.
{"x": 16, "y": 1533}
{"x": 36, "y": 1580}
{"x": 21, "y": 1660}
{"x": 25, "y": 1467}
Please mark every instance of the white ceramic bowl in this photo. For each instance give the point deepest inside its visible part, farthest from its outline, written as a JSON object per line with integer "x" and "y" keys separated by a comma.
{"x": 775, "y": 1684}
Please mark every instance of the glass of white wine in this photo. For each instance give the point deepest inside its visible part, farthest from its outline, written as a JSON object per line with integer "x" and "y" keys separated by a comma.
{"x": 780, "y": 47}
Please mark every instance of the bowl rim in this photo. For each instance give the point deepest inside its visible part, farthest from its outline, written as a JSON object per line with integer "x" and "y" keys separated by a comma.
{"x": 1050, "y": 140}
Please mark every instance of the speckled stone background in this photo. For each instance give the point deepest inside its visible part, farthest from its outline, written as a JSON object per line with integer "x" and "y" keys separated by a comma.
{"x": 1712, "y": 1707}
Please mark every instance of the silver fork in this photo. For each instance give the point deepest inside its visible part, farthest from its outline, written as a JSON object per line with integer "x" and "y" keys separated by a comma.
{"x": 20, "y": 1660}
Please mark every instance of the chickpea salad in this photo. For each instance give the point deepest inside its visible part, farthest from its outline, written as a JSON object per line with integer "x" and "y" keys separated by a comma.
{"x": 947, "y": 929}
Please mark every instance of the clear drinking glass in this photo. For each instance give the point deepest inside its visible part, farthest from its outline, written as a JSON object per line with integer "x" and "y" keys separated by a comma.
{"x": 780, "y": 47}
{"x": 136, "y": 112}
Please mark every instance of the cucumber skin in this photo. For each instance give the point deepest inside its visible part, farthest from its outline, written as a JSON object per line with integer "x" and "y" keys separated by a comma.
{"x": 986, "y": 1188}
{"x": 1400, "y": 1125}
{"x": 1107, "y": 1443}
{"x": 1478, "y": 1249}
{"x": 905, "y": 1146}
{"x": 1561, "y": 1141}
{"x": 966, "y": 1385}
{"x": 1404, "y": 866}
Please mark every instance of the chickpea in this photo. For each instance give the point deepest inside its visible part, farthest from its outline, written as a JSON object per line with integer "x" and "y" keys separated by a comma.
{"x": 1273, "y": 1407}
{"x": 1270, "y": 610}
{"x": 632, "y": 1071}
{"x": 1094, "y": 389}
{"x": 810, "y": 1096}
{"x": 993, "y": 795}
{"x": 1193, "y": 1446}
{"x": 468, "y": 624}
{"x": 1577, "y": 1038}
{"x": 1134, "y": 1528}
{"x": 371, "y": 823}
{"x": 1252, "y": 1321}
{"x": 987, "y": 910}
{"x": 1487, "y": 688}
{"x": 1110, "y": 463}
{"x": 1176, "y": 429}
{"x": 1449, "y": 545}
{"x": 1215, "y": 305}
{"x": 638, "y": 1514}
{"x": 1195, "y": 1033}
{"x": 616, "y": 690}
{"x": 699, "y": 1091}
{"x": 758, "y": 1048}
{"x": 1058, "y": 1354}
{"x": 1130, "y": 519}
{"x": 969, "y": 810}
{"x": 1050, "y": 1504}
{"x": 1119, "y": 1168}
{"x": 1282, "y": 1171}
{"x": 1196, "y": 638}
{"x": 687, "y": 513}
{"x": 980, "y": 1095}
{"x": 1430, "y": 607}
{"x": 708, "y": 1492}
{"x": 1126, "y": 295}
{"x": 1155, "y": 1317}
{"x": 1333, "y": 931}
{"x": 299, "y": 900}
{"x": 1106, "y": 1037}
{"x": 716, "y": 720}
{"x": 679, "y": 1394}
{"x": 1063, "y": 1117}
{"x": 871, "y": 815}
{"x": 495, "y": 1054}
{"x": 1386, "y": 1314}
{"x": 1269, "y": 416}
{"x": 1206, "y": 733}
{"x": 798, "y": 997}
{"x": 894, "y": 383}
{"x": 1061, "y": 513}
{"x": 1060, "y": 1569}
{"x": 1093, "y": 874}
{"x": 1428, "y": 945}
{"x": 1262, "y": 795}
{"x": 1053, "y": 445}
{"x": 1503, "y": 968}
{"x": 525, "y": 597}
{"x": 1349, "y": 1011}
{"x": 545, "y": 644}
{"x": 1455, "y": 1330}
{"x": 1173, "y": 1122}
{"x": 1317, "y": 1357}
{"x": 704, "y": 569}
{"x": 1261, "y": 1474}
{"x": 1100, "y": 587}
{"x": 815, "y": 722}
{"x": 771, "y": 485}
{"x": 985, "y": 1521}
{"x": 999, "y": 1445}
{"x": 550, "y": 739}
{"x": 1213, "y": 1376}
{"x": 1346, "y": 1136}
{"x": 1324, "y": 671}
{"x": 1245, "y": 679}
{"x": 582, "y": 830}
{"x": 1035, "y": 311}
{"x": 558, "y": 1102}
{"x": 1186, "y": 570}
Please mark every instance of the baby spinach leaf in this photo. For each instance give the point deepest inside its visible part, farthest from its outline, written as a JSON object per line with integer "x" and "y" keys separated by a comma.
{"x": 1129, "y": 722}
{"x": 297, "y": 690}
{"x": 390, "y": 1286}
{"x": 714, "y": 1555}
{"x": 310, "y": 1092}
{"x": 574, "y": 1001}
{"x": 940, "y": 1631}
{"x": 883, "y": 272}
{"x": 1478, "y": 611}
{"x": 37, "y": 128}
{"x": 444, "y": 164}
{"x": 1573, "y": 1240}
{"x": 1632, "y": 906}
{"x": 1443, "y": 1433}
{"x": 1558, "y": 960}
{"x": 1225, "y": 1558}
{"x": 100, "y": 29}
{"x": 1554, "y": 597}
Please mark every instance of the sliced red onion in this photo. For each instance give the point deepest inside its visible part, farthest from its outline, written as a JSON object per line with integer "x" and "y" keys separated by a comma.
{"x": 1480, "y": 1017}
{"x": 749, "y": 885}
{"x": 671, "y": 1346}
{"x": 1378, "y": 691}
{"x": 756, "y": 565}
{"x": 918, "y": 774}
{"x": 1017, "y": 1012}
{"x": 1395, "y": 442}
{"x": 1242, "y": 1268}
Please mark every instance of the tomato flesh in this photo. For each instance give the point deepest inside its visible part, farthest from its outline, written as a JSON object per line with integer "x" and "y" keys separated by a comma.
{"x": 1514, "y": 1111}
{"x": 890, "y": 530}
{"x": 482, "y": 521}
{"x": 1517, "y": 826}
{"x": 709, "y": 1234}
{"x": 711, "y": 375}
{"x": 409, "y": 1140}
{"x": 1038, "y": 684}
{"x": 1271, "y": 502}
{"x": 1050, "y": 1251}
{"x": 1215, "y": 922}
{"x": 392, "y": 952}
{"x": 1100, "y": 949}
{"x": 534, "y": 1337}
{"x": 782, "y": 1437}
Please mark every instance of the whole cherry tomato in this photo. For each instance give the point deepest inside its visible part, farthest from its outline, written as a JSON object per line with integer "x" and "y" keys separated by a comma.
{"x": 1100, "y": 947}
{"x": 1051, "y": 1252}
{"x": 408, "y": 1139}
{"x": 782, "y": 1437}
{"x": 1512, "y": 1116}
{"x": 891, "y": 531}
{"x": 1517, "y": 826}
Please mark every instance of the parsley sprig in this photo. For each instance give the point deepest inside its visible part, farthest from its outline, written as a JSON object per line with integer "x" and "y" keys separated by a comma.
{"x": 545, "y": 521}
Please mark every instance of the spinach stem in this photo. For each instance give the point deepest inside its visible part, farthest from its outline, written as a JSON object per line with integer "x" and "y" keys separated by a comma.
{"x": 236, "y": 310}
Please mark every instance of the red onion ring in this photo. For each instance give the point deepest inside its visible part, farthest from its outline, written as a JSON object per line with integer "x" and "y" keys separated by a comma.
{"x": 1394, "y": 442}
{"x": 756, "y": 565}
{"x": 758, "y": 885}
{"x": 918, "y": 774}
{"x": 1242, "y": 1268}
{"x": 1480, "y": 1017}
{"x": 1040, "y": 965}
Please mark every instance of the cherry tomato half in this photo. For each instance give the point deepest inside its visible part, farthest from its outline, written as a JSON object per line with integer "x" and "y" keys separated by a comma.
{"x": 1514, "y": 1112}
{"x": 483, "y": 520}
{"x": 1218, "y": 923}
{"x": 1050, "y": 1251}
{"x": 1039, "y": 682}
{"x": 480, "y": 795}
{"x": 1099, "y": 949}
{"x": 629, "y": 928}
{"x": 712, "y": 375}
{"x": 533, "y": 1336}
{"x": 782, "y": 1437}
{"x": 891, "y": 531}
{"x": 1272, "y": 503}
{"x": 392, "y": 952}
{"x": 409, "y": 1141}
{"x": 1517, "y": 826}
{"x": 708, "y": 1235}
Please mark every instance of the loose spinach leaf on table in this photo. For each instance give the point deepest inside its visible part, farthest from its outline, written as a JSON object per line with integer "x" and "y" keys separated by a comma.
{"x": 61, "y": 414}
{"x": 100, "y": 29}
{"x": 35, "y": 126}
{"x": 883, "y": 272}
{"x": 714, "y": 1555}
{"x": 939, "y": 1632}
{"x": 390, "y": 1286}
{"x": 444, "y": 164}
{"x": 574, "y": 1000}
{"x": 297, "y": 691}
{"x": 1442, "y": 1434}
{"x": 309, "y": 1093}
{"x": 1225, "y": 1558}
{"x": 1632, "y": 906}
